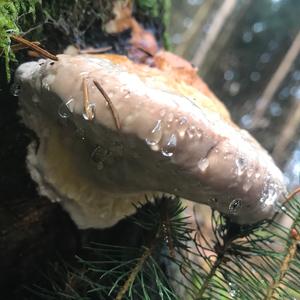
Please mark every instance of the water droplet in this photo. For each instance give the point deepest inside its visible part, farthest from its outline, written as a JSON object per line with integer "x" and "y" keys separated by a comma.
{"x": 250, "y": 172}
{"x": 15, "y": 89}
{"x": 155, "y": 135}
{"x": 182, "y": 121}
{"x": 191, "y": 132}
{"x": 269, "y": 194}
{"x": 234, "y": 206}
{"x": 183, "y": 124}
{"x": 65, "y": 109}
{"x": 98, "y": 154}
{"x": 45, "y": 85}
{"x": 90, "y": 112}
{"x": 203, "y": 164}
{"x": 170, "y": 117}
{"x": 247, "y": 185}
{"x": 241, "y": 165}
{"x": 169, "y": 149}
{"x": 233, "y": 290}
{"x": 283, "y": 208}
{"x": 198, "y": 133}
{"x": 84, "y": 74}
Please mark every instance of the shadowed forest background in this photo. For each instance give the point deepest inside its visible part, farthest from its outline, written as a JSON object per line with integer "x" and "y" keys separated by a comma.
{"x": 248, "y": 53}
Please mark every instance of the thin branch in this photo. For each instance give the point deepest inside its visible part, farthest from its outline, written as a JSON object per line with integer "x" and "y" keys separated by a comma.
{"x": 219, "y": 20}
{"x": 287, "y": 133}
{"x": 34, "y": 47}
{"x": 198, "y": 22}
{"x": 276, "y": 80}
{"x": 110, "y": 104}
{"x": 292, "y": 250}
{"x": 292, "y": 195}
{"x": 18, "y": 47}
{"x": 95, "y": 51}
{"x": 221, "y": 251}
{"x": 133, "y": 274}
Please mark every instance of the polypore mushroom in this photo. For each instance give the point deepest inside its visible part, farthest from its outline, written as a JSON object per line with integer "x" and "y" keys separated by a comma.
{"x": 112, "y": 131}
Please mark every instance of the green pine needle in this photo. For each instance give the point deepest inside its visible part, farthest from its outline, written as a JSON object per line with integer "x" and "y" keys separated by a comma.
{"x": 261, "y": 261}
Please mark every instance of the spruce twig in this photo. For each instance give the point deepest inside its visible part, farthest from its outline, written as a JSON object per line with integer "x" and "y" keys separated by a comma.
{"x": 284, "y": 266}
{"x": 133, "y": 274}
{"x": 242, "y": 262}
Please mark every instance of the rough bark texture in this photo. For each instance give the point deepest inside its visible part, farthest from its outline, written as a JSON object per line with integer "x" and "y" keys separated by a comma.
{"x": 35, "y": 233}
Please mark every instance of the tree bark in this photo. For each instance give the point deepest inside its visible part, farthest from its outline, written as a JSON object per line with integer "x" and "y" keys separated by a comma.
{"x": 35, "y": 233}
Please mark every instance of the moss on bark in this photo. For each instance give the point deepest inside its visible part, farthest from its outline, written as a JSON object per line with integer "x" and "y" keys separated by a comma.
{"x": 15, "y": 17}
{"x": 58, "y": 23}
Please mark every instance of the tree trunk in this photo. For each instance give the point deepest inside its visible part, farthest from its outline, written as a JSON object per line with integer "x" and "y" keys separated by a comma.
{"x": 35, "y": 233}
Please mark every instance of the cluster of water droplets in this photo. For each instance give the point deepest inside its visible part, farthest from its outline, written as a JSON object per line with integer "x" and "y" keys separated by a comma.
{"x": 269, "y": 194}
{"x": 65, "y": 110}
{"x": 157, "y": 134}
{"x": 193, "y": 131}
{"x": 161, "y": 133}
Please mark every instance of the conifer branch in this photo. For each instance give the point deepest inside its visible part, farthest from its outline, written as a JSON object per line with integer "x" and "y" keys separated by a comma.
{"x": 235, "y": 262}
{"x": 284, "y": 268}
{"x": 133, "y": 274}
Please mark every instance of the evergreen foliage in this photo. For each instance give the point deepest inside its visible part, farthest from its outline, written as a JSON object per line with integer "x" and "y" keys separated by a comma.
{"x": 261, "y": 261}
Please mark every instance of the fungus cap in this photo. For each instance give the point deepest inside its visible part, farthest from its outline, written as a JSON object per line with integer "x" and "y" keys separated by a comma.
{"x": 173, "y": 139}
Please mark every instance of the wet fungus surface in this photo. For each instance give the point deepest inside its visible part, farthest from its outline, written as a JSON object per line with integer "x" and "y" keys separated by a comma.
{"x": 112, "y": 131}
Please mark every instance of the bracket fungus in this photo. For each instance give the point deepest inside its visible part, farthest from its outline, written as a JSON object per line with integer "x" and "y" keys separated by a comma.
{"x": 112, "y": 131}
